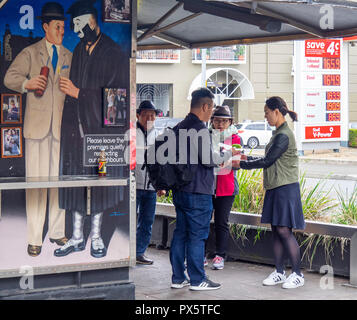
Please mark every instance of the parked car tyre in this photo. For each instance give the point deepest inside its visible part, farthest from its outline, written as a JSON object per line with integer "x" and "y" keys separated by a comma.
{"x": 253, "y": 143}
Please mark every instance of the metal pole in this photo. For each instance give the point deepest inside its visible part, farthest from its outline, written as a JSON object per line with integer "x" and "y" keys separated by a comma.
{"x": 353, "y": 260}
{"x": 203, "y": 68}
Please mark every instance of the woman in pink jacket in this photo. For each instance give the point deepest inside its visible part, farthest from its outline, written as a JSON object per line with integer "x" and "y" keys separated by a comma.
{"x": 226, "y": 182}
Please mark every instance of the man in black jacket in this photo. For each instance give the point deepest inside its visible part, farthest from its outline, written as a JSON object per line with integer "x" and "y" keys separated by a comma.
{"x": 193, "y": 203}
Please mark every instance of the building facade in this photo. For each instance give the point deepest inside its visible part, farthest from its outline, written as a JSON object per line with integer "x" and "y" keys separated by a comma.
{"x": 268, "y": 68}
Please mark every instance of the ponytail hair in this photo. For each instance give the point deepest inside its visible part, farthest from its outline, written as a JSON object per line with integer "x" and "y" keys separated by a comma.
{"x": 278, "y": 103}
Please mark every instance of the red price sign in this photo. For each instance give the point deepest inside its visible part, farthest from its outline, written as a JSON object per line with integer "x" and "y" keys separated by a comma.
{"x": 333, "y": 95}
{"x": 331, "y": 80}
{"x": 323, "y": 132}
{"x": 324, "y": 48}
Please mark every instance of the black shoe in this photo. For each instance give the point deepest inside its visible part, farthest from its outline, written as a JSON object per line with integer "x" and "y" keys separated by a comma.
{"x": 69, "y": 247}
{"x": 98, "y": 249}
{"x": 143, "y": 260}
{"x": 206, "y": 284}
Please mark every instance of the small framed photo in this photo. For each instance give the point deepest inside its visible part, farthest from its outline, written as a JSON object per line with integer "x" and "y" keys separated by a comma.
{"x": 11, "y": 108}
{"x": 11, "y": 142}
{"x": 114, "y": 107}
{"x": 116, "y": 11}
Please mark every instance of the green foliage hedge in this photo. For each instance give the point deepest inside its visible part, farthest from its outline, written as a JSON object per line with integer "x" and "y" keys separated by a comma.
{"x": 352, "y": 140}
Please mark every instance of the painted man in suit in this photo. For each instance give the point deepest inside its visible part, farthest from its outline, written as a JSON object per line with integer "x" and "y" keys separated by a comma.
{"x": 42, "y": 123}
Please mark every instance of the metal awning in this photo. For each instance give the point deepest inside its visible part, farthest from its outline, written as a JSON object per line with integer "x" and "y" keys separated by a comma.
{"x": 170, "y": 24}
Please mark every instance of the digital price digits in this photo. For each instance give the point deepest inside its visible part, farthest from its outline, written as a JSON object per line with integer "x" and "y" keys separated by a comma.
{"x": 333, "y": 106}
{"x": 333, "y": 117}
{"x": 333, "y": 95}
{"x": 331, "y": 63}
{"x": 331, "y": 80}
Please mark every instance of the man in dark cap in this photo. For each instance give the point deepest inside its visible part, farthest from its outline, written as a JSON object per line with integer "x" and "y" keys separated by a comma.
{"x": 145, "y": 193}
{"x": 98, "y": 63}
{"x": 42, "y": 123}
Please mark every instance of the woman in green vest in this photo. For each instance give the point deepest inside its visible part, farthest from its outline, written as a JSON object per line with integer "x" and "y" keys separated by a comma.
{"x": 282, "y": 203}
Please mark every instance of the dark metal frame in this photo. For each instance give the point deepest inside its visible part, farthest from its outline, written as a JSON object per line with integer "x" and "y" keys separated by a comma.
{"x": 254, "y": 13}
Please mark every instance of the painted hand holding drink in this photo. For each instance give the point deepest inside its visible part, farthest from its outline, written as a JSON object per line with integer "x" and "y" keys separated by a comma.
{"x": 44, "y": 72}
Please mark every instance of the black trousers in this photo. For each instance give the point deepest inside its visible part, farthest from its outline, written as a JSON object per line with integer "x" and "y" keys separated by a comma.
{"x": 222, "y": 207}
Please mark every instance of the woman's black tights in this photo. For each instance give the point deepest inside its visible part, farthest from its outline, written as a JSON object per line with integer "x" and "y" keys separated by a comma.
{"x": 284, "y": 241}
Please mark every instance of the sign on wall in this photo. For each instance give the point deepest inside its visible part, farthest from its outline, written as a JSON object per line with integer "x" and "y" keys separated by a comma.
{"x": 64, "y": 83}
{"x": 321, "y": 93}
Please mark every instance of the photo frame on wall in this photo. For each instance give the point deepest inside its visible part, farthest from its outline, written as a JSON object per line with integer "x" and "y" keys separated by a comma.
{"x": 11, "y": 108}
{"x": 116, "y": 11}
{"x": 11, "y": 142}
{"x": 114, "y": 107}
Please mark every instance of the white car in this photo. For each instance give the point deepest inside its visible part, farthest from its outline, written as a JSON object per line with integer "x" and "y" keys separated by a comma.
{"x": 352, "y": 125}
{"x": 254, "y": 134}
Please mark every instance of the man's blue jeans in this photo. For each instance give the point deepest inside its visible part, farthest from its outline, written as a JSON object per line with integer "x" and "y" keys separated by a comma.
{"x": 193, "y": 215}
{"x": 145, "y": 208}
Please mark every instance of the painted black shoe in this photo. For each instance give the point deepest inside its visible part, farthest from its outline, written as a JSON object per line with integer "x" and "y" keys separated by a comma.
{"x": 143, "y": 260}
{"x": 69, "y": 247}
{"x": 98, "y": 249}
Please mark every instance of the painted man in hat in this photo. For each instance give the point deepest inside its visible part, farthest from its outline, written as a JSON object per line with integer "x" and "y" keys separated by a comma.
{"x": 98, "y": 63}
{"x": 42, "y": 123}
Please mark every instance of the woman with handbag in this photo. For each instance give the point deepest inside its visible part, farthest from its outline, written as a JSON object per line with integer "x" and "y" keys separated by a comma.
{"x": 282, "y": 203}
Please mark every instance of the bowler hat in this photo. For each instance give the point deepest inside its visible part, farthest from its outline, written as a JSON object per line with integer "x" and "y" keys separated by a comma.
{"x": 52, "y": 10}
{"x": 147, "y": 105}
{"x": 82, "y": 7}
{"x": 222, "y": 112}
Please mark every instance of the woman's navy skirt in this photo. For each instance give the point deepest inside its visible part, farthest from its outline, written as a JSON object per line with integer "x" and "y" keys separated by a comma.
{"x": 282, "y": 207}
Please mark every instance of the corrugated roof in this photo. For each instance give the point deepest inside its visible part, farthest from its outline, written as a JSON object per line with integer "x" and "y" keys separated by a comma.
{"x": 204, "y": 23}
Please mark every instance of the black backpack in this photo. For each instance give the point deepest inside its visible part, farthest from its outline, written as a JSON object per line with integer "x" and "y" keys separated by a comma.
{"x": 169, "y": 176}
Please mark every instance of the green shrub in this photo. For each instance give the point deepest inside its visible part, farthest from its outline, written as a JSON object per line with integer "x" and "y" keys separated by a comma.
{"x": 347, "y": 213}
{"x": 316, "y": 203}
{"x": 352, "y": 139}
{"x": 251, "y": 192}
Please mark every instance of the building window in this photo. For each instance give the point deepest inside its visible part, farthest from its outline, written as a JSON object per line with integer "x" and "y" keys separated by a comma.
{"x": 221, "y": 55}
{"x": 158, "y": 56}
{"x": 159, "y": 94}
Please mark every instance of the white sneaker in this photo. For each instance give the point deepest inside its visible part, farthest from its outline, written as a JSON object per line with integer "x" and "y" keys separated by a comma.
{"x": 294, "y": 281}
{"x": 180, "y": 285}
{"x": 218, "y": 263}
{"x": 274, "y": 278}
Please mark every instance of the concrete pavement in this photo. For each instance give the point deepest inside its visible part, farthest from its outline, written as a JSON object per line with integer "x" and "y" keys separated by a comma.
{"x": 240, "y": 281}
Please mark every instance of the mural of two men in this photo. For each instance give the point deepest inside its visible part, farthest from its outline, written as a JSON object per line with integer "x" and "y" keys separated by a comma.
{"x": 55, "y": 124}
